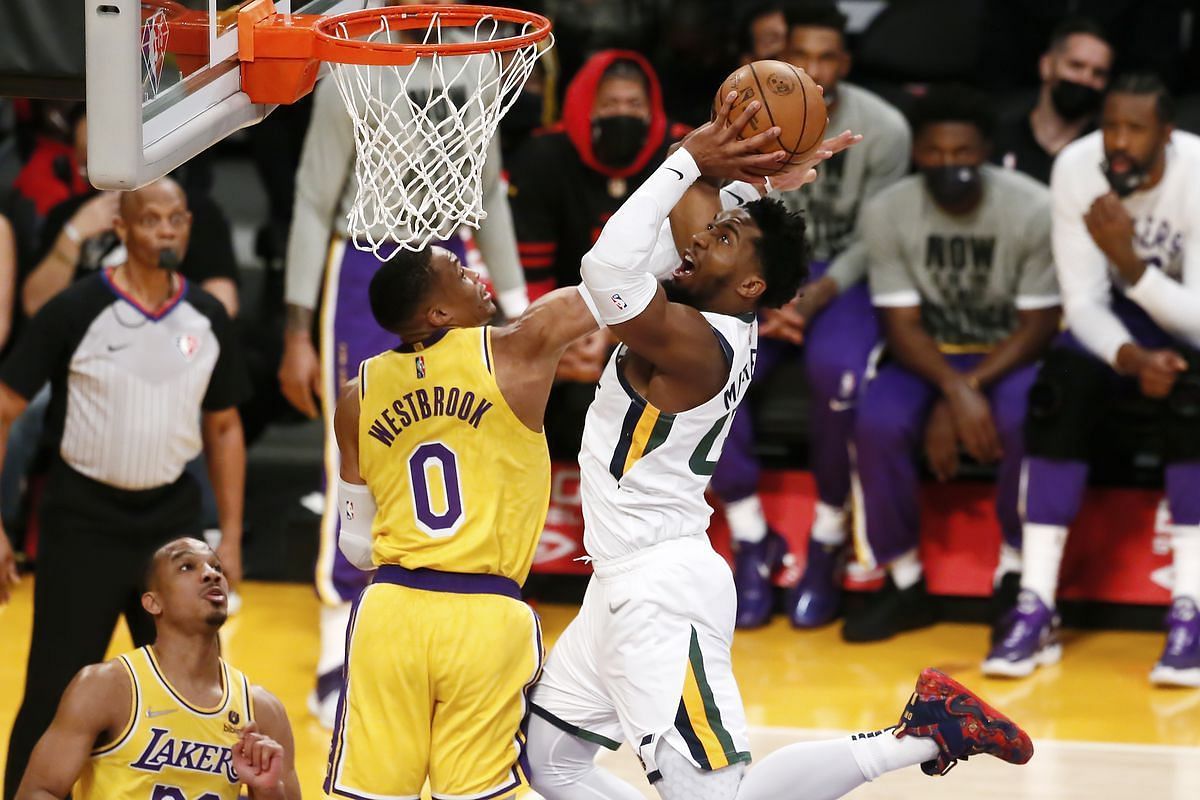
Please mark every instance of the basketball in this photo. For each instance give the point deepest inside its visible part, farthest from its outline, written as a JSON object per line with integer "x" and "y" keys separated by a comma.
{"x": 790, "y": 100}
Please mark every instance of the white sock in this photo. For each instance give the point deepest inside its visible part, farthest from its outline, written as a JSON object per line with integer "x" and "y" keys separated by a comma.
{"x": 880, "y": 752}
{"x": 334, "y": 620}
{"x": 828, "y": 770}
{"x": 1185, "y": 544}
{"x": 1042, "y": 552}
{"x": 746, "y": 520}
{"x": 829, "y": 524}
{"x": 1010, "y": 561}
{"x": 906, "y": 570}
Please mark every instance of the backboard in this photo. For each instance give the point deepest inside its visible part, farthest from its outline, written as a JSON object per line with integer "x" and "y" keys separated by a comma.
{"x": 164, "y": 82}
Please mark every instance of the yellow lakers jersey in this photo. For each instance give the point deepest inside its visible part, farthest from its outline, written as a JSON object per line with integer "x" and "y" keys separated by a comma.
{"x": 170, "y": 749}
{"x": 461, "y": 484}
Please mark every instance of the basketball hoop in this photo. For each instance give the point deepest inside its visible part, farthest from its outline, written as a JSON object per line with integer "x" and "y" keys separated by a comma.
{"x": 425, "y": 87}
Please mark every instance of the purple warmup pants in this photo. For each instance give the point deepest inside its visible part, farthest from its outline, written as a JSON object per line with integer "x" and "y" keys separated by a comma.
{"x": 1055, "y": 487}
{"x": 836, "y": 348}
{"x": 889, "y": 433}
{"x": 348, "y": 336}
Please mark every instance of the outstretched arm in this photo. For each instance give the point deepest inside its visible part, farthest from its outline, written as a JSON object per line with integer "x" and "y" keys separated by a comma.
{"x": 528, "y": 350}
{"x": 97, "y": 702}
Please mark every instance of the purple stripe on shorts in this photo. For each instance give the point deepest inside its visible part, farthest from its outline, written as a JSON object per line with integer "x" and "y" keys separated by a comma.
{"x": 431, "y": 580}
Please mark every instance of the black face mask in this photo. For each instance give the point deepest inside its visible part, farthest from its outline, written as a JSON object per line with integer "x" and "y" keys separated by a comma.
{"x": 1126, "y": 183}
{"x": 168, "y": 259}
{"x": 952, "y": 185}
{"x": 1074, "y": 101}
{"x": 616, "y": 141}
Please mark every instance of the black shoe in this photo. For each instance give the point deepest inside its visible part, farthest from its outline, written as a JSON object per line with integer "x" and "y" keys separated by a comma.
{"x": 1004, "y": 600}
{"x": 890, "y": 611}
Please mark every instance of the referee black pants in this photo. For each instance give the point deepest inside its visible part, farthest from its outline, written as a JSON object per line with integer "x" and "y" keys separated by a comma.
{"x": 94, "y": 546}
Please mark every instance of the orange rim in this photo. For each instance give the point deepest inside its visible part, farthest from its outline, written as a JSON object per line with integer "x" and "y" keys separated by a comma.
{"x": 332, "y": 44}
{"x": 174, "y": 10}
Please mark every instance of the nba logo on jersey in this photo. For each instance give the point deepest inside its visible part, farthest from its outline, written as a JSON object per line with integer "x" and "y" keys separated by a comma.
{"x": 188, "y": 345}
{"x": 420, "y": 366}
{"x": 619, "y": 302}
{"x": 348, "y": 512}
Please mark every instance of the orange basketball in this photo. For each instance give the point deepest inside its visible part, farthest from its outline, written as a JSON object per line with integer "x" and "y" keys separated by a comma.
{"x": 790, "y": 100}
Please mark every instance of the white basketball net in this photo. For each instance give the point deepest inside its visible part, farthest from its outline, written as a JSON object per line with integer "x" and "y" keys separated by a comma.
{"x": 421, "y": 133}
{"x": 154, "y": 48}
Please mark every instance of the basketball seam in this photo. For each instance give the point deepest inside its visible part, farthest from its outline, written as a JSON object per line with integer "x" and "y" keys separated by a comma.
{"x": 767, "y": 107}
{"x": 804, "y": 123}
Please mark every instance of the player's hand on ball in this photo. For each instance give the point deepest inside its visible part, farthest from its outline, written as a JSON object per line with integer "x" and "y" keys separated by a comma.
{"x": 258, "y": 759}
{"x": 719, "y": 153}
{"x": 805, "y": 171}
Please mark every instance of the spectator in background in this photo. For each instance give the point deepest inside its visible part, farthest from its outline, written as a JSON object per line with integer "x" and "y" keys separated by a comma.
{"x": 55, "y": 169}
{"x": 1074, "y": 71}
{"x": 78, "y": 238}
{"x": 833, "y": 317}
{"x": 1127, "y": 247}
{"x": 324, "y": 268}
{"x": 144, "y": 373}
{"x": 962, "y": 275}
{"x": 762, "y": 31}
{"x": 569, "y": 179}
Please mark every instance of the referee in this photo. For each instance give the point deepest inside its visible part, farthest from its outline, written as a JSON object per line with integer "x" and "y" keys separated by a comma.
{"x": 144, "y": 371}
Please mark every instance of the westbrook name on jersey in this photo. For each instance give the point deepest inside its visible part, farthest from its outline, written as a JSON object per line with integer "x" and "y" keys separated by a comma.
{"x": 644, "y": 472}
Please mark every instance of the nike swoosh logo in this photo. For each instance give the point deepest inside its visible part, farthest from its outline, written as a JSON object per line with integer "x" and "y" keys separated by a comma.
{"x": 112, "y": 348}
{"x": 151, "y": 713}
{"x": 677, "y": 172}
{"x": 615, "y": 607}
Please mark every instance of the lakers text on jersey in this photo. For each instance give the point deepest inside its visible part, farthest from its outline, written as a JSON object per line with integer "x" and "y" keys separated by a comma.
{"x": 170, "y": 749}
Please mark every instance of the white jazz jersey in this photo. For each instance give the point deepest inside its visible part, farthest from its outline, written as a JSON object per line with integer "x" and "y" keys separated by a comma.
{"x": 643, "y": 471}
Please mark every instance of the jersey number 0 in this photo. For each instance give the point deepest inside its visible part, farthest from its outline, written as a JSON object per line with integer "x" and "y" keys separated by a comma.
{"x": 436, "y": 489}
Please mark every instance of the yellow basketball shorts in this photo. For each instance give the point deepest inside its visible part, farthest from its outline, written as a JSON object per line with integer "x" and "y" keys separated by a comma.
{"x": 435, "y": 687}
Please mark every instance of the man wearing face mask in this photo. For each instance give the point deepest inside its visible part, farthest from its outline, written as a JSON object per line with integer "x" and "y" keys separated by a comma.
{"x": 144, "y": 373}
{"x": 1074, "y": 71}
{"x": 833, "y": 319}
{"x": 565, "y": 182}
{"x": 962, "y": 275}
{"x": 1127, "y": 247}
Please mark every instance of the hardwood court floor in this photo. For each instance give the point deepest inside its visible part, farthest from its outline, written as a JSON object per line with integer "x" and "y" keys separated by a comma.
{"x": 1100, "y": 730}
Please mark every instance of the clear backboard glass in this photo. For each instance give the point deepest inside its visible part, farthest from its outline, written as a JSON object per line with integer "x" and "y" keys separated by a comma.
{"x": 164, "y": 82}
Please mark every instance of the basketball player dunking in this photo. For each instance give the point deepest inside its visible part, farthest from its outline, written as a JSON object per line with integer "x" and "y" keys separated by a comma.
{"x": 647, "y": 661}
{"x": 171, "y": 721}
{"x": 445, "y": 480}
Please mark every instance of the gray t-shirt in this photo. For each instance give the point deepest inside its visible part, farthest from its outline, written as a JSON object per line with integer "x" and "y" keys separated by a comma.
{"x": 831, "y": 204}
{"x": 970, "y": 274}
